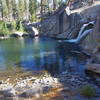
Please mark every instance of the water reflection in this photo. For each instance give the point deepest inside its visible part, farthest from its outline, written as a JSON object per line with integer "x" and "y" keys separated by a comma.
{"x": 72, "y": 56}
{"x": 38, "y": 54}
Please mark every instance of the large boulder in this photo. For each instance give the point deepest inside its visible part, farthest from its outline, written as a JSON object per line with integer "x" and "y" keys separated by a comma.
{"x": 31, "y": 29}
{"x": 17, "y": 34}
{"x": 94, "y": 68}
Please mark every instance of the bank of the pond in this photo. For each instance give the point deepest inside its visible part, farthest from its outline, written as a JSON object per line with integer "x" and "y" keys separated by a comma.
{"x": 27, "y": 86}
{"x": 18, "y": 34}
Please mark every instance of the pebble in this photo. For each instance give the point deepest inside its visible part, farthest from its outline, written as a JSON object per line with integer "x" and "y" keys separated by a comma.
{"x": 43, "y": 84}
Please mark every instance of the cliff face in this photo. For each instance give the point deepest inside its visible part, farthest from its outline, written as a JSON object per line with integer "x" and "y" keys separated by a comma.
{"x": 76, "y": 4}
{"x": 60, "y": 24}
{"x": 92, "y": 41}
{"x": 56, "y": 24}
{"x": 63, "y": 25}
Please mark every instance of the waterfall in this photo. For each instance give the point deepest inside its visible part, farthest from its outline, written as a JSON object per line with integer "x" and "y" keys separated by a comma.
{"x": 35, "y": 31}
{"x": 68, "y": 11}
{"x": 79, "y": 38}
{"x": 82, "y": 34}
{"x": 83, "y": 27}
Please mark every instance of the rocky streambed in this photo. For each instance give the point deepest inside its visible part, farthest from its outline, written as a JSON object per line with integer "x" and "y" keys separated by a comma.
{"x": 27, "y": 86}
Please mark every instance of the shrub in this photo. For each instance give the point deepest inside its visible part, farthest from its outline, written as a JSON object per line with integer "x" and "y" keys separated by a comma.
{"x": 13, "y": 26}
{"x": 33, "y": 18}
{"x": 19, "y": 26}
{"x": 88, "y": 91}
{"x": 9, "y": 27}
{"x": 3, "y": 28}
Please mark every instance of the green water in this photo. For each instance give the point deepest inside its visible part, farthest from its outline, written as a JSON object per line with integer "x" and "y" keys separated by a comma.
{"x": 33, "y": 55}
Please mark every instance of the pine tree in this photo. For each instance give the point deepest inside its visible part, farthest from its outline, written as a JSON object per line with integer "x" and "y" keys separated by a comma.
{"x": 5, "y": 9}
{"x": 21, "y": 9}
{"x": 32, "y": 9}
{"x": 14, "y": 12}
{"x": 26, "y": 5}
{"x": 1, "y": 9}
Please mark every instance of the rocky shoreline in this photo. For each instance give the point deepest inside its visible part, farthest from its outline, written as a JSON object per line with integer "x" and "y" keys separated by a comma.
{"x": 32, "y": 32}
{"x": 36, "y": 87}
{"x": 17, "y": 35}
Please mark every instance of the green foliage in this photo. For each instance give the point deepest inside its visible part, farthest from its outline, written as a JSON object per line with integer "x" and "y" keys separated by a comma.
{"x": 13, "y": 26}
{"x": 19, "y": 26}
{"x": 21, "y": 8}
{"x": 3, "y": 28}
{"x": 32, "y": 9}
{"x": 87, "y": 91}
{"x": 7, "y": 28}
{"x": 33, "y": 18}
{"x": 26, "y": 9}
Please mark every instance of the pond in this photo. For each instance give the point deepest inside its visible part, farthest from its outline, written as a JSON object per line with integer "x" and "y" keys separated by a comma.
{"x": 37, "y": 54}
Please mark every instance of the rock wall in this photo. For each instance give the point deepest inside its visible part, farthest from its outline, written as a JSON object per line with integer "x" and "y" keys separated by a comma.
{"x": 67, "y": 26}
{"x": 92, "y": 41}
{"x": 50, "y": 26}
{"x": 56, "y": 24}
{"x": 75, "y": 4}
{"x": 71, "y": 32}
{"x": 60, "y": 25}
{"x": 91, "y": 12}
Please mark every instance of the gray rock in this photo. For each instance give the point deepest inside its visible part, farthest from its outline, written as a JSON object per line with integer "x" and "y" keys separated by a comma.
{"x": 95, "y": 68}
{"x": 31, "y": 92}
{"x": 7, "y": 94}
{"x": 14, "y": 35}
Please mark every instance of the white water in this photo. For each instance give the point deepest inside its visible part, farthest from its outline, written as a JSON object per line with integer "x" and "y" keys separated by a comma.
{"x": 35, "y": 31}
{"x": 81, "y": 34}
{"x": 83, "y": 27}
{"x": 68, "y": 11}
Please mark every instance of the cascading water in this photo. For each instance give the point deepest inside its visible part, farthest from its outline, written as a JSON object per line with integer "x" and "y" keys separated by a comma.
{"x": 82, "y": 34}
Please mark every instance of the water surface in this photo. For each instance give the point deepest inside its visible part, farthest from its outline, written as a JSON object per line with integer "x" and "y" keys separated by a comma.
{"x": 36, "y": 55}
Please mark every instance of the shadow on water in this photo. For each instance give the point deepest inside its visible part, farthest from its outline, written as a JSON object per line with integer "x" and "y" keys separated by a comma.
{"x": 74, "y": 59}
{"x": 41, "y": 54}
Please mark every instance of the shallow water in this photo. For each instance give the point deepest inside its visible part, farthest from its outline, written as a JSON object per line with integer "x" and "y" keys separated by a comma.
{"x": 36, "y": 55}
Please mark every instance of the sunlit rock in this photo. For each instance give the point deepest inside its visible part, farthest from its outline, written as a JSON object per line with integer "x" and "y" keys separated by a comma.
{"x": 95, "y": 68}
{"x": 32, "y": 92}
{"x": 17, "y": 34}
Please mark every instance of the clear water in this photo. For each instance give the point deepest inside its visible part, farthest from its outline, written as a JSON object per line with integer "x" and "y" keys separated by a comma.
{"x": 36, "y": 55}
